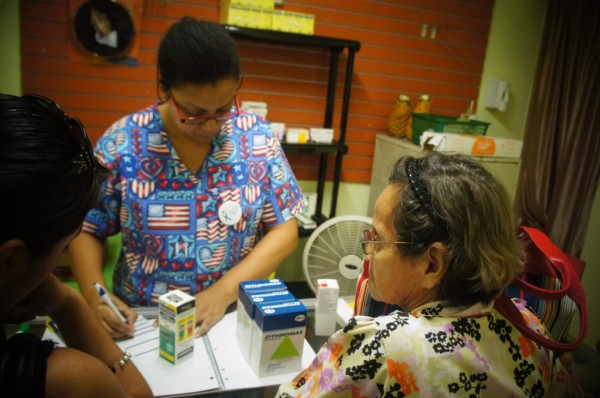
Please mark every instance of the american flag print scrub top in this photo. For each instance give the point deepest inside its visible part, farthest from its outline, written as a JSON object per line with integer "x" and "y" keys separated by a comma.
{"x": 173, "y": 236}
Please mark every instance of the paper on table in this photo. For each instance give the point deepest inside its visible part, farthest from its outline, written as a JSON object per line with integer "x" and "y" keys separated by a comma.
{"x": 192, "y": 376}
{"x": 196, "y": 375}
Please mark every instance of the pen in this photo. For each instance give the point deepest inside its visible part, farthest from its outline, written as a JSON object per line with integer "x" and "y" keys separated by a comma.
{"x": 51, "y": 326}
{"x": 106, "y": 297}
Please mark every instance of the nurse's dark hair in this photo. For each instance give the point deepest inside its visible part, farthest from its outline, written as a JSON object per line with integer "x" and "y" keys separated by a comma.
{"x": 454, "y": 200}
{"x": 45, "y": 192}
{"x": 196, "y": 52}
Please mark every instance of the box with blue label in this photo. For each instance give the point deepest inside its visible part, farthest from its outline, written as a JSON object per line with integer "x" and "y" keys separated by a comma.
{"x": 277, "y": 338}
{"x": 245, "y": 312}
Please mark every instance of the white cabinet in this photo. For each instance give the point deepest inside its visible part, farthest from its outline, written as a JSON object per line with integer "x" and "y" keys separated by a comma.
{"x": 389, "y": 149}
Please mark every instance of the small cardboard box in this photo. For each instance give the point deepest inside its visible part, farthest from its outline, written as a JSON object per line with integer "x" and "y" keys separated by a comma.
{"x": 246, "y": 17}
{"x": 328, "y": 291}
{"x": 295, "y": 135}
{"x": 263, "y": 4}
{"x": 321, "y": 135}
{"x": 470, "y": 144}
{"x": 177, "y": 321}
{"x": 293, "y": 22}
{"x": 278, "y": 338}
{"x": 245, "y": 310}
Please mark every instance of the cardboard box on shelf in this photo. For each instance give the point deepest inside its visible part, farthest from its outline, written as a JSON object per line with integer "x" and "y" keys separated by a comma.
{"x": 278, "y": 130}
{"x": 246, "y": 17}
{"x": 297, "y": 135}
{"x": 293, "y": 22}
{"x": 321, "y": 135}
{"x": 263, "y": 4}
{"x": 471, "y": 144}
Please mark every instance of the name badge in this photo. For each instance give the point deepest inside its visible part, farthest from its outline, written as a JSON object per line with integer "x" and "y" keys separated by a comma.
{"x": 230, "y": 213}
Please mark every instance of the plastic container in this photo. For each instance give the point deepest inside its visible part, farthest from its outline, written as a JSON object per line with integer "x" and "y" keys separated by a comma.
{"x": 444, "y": 124}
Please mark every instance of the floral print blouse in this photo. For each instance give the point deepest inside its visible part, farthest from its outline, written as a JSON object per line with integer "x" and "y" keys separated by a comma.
{"x": 434, "y": 351}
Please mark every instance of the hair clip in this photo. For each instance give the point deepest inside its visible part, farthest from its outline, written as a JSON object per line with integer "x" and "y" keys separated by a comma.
{"x": 84, "y": 162}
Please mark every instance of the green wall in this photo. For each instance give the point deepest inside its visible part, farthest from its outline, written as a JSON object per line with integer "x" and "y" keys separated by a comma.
{"x": 10, "y": 54}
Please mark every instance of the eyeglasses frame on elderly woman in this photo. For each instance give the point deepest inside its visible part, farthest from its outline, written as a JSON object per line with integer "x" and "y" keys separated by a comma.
{"x": 85, "y": 159}
{"x": 367, "y": 238}
{"x": 200, "y": 120}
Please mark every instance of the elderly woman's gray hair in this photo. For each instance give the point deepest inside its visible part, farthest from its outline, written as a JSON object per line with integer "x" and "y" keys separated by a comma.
{"x": 454, "y": 200}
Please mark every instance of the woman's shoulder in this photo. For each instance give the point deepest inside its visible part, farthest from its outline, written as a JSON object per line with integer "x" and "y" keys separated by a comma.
{"x": 247, "y": 121}
{"x": 147, "y": 118}
{"x": 74, "y": 373}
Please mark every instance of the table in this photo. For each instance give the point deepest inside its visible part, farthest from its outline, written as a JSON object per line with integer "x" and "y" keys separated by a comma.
{"x": 37, "y": 327}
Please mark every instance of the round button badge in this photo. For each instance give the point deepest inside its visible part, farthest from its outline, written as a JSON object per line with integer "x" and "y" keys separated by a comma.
{"x": 230, "y": 212}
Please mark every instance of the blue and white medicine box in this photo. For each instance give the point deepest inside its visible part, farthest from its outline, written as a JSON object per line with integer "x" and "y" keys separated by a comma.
{"x": 277, "y": 338}
{"x": 245, "y": 311}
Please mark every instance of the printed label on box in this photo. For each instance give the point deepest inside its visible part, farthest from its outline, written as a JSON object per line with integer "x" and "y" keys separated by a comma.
{"x": 245, "y": 310}
{"x": 177, "y": 320}
{"x": 278, "y": 337}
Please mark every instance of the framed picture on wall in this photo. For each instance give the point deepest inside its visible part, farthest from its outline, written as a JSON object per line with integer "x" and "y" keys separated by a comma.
{"x": 104, "y": 30}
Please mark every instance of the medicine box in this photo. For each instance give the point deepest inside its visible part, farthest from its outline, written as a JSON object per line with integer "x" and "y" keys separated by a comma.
{"x": 296, "y": 135}
{"x": 177, "y": 320}
{"x": 245, "y": 311}
{"x": 278, "y": 337}
{"x": 293, "y": 22}
{"x": 326, "y": 306}
{"x": 278, "y": 130}
{"x": 321, "y": 135}
{"x": 246, "y": 317}
{"x": 246, "y": 17}
{"x": 263, "y": 4}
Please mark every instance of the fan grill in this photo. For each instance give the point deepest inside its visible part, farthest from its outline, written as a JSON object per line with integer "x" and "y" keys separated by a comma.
{"x": 334, "y": 251}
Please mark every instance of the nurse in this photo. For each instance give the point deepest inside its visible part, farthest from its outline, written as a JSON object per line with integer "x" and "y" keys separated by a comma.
{"x": 201, "y": 192}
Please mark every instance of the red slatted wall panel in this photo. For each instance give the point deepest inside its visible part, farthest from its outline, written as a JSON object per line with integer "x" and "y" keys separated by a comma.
{"x": 393, "y": 59}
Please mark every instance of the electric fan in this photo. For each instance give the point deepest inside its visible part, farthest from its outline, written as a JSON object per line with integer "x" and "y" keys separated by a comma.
{"x": 334, "y": 251}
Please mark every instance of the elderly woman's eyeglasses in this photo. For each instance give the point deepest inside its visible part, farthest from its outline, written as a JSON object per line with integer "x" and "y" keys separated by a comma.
{"x": 369, "y": 239}
{"x": 85, "y": 159}
{"x": 200, "y": 120}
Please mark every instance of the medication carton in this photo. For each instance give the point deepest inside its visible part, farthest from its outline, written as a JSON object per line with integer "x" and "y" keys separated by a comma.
{"x": 278, "y": 337}
{"x": 326, "y": 307}
{"x": 245, "y": 339}
{"x": 245, "y": 312}
{"x": 177, "y": 320}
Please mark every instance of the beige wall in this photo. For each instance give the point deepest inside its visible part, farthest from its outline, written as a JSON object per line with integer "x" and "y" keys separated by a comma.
{"x": 512, "y": 50}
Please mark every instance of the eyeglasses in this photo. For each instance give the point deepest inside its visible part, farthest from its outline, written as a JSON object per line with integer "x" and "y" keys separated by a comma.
{"x": 85, "y": 158}
{"x": 369, "y": 238}
{"x": 200, "y": 120}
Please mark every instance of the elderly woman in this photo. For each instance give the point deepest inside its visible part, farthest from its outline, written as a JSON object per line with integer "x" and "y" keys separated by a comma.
{"x": 442, "y": 248}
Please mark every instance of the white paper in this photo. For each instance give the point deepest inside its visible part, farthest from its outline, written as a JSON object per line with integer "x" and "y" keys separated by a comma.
{"x": 196, "y": 375}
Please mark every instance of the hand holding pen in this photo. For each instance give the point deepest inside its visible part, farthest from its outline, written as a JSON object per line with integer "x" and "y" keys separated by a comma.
{"x": 113, "y": 320}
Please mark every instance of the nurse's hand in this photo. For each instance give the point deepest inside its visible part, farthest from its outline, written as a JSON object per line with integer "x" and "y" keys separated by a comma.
{"x": 211, "y": 305}
{"x": 111, "y": 322}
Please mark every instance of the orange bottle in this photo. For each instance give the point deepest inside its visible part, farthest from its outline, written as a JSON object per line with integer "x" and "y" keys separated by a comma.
{"x": 423, "y": 106}
{"x": 399, "y": 118}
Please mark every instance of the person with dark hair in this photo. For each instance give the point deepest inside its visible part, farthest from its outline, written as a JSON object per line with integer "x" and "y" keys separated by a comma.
{"x": 442, "y": 247}
{"x": 194, "y": 182}
{"x": 48, "y": 181}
